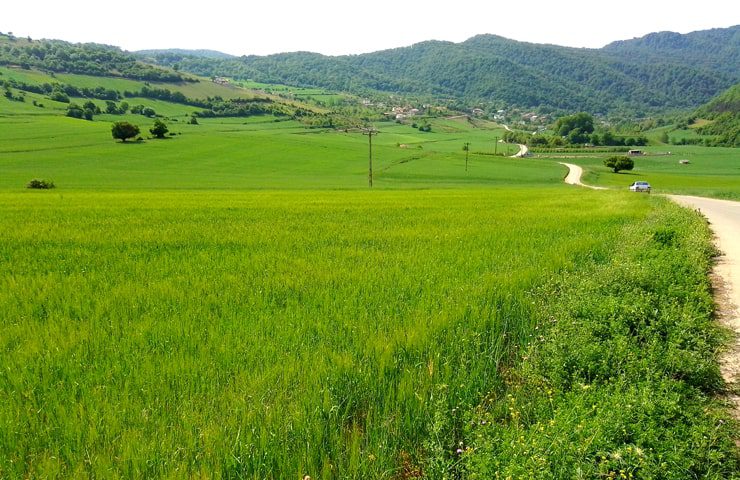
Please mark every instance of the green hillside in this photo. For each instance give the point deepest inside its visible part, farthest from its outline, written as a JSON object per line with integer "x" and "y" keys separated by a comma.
{"x": 723, "y": 113}
{"x": 715, "y": 49}
{"x": 496, "y": 72}
{"x": 86, "y": 58}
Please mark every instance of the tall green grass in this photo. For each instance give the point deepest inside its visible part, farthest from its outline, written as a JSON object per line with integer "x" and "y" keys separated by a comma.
{"x": 274, "y": 334}
{"x": 622, "y": 381}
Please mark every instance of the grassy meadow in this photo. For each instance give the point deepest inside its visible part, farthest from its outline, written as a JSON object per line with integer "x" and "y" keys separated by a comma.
{"x": 712, "y": 171}
{"x": 234, "y": 302}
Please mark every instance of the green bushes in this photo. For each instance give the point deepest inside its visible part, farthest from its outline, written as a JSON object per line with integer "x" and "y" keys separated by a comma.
{"x": 40, "y": 184}
{"x": 621, "y": 379}
{"x": 618, "y": 163}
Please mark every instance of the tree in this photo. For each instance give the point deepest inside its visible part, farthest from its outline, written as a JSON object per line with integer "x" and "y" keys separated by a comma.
{"x": 75, "y": 111}
{"x": 618, "y": 163}
{"x": 90, "y": 105}
{"x": 110, "y": 107}
{"x": 576, "y": 128}
{"x": 124, "y": 130}
{"x": 159, "y": 129}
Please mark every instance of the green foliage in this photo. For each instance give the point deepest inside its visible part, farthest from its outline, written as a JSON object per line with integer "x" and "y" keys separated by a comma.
{"x": 575, "y": 127}
{"x": 498, "y": 71}
{"x": 619, "y": 162}
{"x": 40, "y": 184}
{"x": 124, "y": 130}
{"x": 621, "y": 379}
{"x": 724, "y": 111}
{"x": 88, "y": 58}
{"x": 58, "y": 96}
{"x": 75, "y": 111}
{"x": 159, "y": 129}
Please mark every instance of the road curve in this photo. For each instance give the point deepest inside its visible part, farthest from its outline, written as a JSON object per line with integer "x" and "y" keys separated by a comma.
{"x": 523, "y": 151}
{"x": 724, "y": 218}
{"x": 574, "y": 176}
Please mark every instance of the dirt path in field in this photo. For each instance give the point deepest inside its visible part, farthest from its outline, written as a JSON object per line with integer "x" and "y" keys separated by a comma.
{"x": 724, "y": 218}
{"x": 574, "y": 176}
{"x": 523, "y": 149}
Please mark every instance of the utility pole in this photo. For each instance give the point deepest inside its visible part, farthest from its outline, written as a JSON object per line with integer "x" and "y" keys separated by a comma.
{"x": 467, "y": 154}
{"x": 495, "y": 146}
{"x": 370, "y": 132}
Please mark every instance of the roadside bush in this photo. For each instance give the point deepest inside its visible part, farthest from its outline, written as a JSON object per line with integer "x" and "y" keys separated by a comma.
{"x": 620, "y": 381}
{"x": 40, "y": 184}
{"x": 618, "y": 163}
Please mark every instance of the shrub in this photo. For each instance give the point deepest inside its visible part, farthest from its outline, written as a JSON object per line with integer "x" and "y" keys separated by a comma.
{"x": 618, "y": 162}
{"x": 41, "y": 184}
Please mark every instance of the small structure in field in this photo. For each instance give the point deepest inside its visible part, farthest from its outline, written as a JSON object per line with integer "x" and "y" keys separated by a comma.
{"x": 635, "y": 153}
{"x": 684, "y": 162}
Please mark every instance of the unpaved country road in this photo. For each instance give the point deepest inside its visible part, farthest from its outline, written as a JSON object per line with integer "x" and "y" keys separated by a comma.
{"x": 724, "y": 218}
{"x": 523, "y": 149}
{"x": 574, "y": 176}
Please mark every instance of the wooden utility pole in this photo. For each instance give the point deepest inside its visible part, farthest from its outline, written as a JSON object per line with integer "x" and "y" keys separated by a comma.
{"x": 370, "y": 132}
{"x": 467, "y": 153}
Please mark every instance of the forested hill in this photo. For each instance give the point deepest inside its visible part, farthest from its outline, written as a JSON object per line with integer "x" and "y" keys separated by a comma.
{"x": 717, "y": 49}
{"x": 183, "y": 52}
{"x": 657, "y": 72}
{"x": 82, "y": 58}
{"x": 723, "y": 113}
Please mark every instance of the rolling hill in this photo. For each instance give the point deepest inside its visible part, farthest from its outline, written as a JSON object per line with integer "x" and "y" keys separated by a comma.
{"x": 723, "y": 112}
{"x": 659, "y": 72}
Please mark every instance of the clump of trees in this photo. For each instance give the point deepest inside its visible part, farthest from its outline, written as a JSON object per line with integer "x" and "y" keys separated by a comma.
{"x": 40, "y": 184}
{"x": 88, "y": 58}
{"x": 618, "y": 163}
{"x": 124, "y": 130}
{"x": 575, "y": 128}
{"x": 159, "y": 129}
{"x": 86, "y": 111}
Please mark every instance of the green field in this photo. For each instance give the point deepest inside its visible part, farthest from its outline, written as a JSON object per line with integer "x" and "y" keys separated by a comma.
{"x": 248, "y": 153}
{"x": 712, "y": 172}
{"x": 234, "y": 302}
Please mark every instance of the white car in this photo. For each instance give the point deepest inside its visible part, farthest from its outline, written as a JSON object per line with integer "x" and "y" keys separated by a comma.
{"x": 640, "y": 187}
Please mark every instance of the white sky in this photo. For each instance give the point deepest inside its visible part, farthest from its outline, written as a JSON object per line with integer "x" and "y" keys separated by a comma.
{"x": 336, "y": 27}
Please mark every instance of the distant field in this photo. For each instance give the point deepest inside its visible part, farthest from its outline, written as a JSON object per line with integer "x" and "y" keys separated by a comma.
{"x": 249, "y": 153}
{"x": 712, "y": 171}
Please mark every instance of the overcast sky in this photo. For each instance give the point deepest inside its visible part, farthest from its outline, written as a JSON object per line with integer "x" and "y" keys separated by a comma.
{"x": 335, "y": 27}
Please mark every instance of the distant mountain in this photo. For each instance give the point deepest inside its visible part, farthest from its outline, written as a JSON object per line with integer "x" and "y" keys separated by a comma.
{"x": 183, "y": 52}
{"x": 658, "y": 72}
{"x": 717, "y": 49}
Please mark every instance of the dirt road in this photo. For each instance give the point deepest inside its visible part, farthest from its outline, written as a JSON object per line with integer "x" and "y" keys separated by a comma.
{"x": 724, "y": 218}
{"x": 574, "y": 176}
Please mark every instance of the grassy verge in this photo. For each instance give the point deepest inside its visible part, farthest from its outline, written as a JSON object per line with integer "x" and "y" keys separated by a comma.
{"x": 622, "y": 378}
